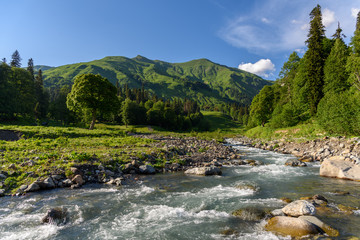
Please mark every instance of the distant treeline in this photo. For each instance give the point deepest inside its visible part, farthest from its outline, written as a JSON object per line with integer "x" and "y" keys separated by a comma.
{"x": 22, "y": 95}
{"x": 321, "y": 86}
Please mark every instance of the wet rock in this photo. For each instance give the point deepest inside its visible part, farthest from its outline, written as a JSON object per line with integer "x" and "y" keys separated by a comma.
{"x": 247, "y": 187}
{"x": 22, "y": 188}
{"x": 277, "y": 212}
{"x": 299, "y": 208}
{"x": 147, "y": 169}
{"x": 286, "y": 200}
{"x": 346, "y": 209}
{"x": 331, "y": 232}
{"x": 295, "y": 163}
{"x": 118, "y": 181}
{"x": 293, "y": 227}
{"x": 55, "y": 216}
{"x": 32, "y": 187}
{"x": 319, "y": 200}
{"x": 229, "y": 232}
{"x": 204, "y": 171}
{"x": 340, "y": 193}
{"x": 337, "y": 167}
{"x": 2, "y": 192}
{"x": 78, "y": 180}
{"x": 249, "y": 214}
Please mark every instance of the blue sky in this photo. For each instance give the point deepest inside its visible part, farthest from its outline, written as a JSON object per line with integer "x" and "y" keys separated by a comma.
{"x": 258, "y": 35}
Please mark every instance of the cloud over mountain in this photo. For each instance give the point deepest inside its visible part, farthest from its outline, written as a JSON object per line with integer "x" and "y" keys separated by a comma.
{"x": 263, "y": 67}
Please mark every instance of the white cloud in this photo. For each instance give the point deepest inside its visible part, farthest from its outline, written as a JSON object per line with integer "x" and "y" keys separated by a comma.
{"x": 354, "y": 12}
{"x": 265, "y": 20}
{"x": 300, "y": 50}
{"x": 263, "y": 67}
{"x": 328, "y": 17}
{"x": 289, "y": 25}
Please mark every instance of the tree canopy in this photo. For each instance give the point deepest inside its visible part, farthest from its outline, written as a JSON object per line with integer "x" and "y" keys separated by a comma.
{"x": 94, "y": 94}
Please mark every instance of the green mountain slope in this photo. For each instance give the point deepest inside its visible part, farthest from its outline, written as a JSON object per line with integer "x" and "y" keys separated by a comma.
{"x": 202, "y": 80}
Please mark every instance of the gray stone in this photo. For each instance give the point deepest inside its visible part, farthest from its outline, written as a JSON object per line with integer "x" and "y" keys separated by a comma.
{"x": 277, "y": 212}
{"x": 32, "y": 187}
{"x": 2, "y": 176}
{"x": 295, "y": 163}
{"x": 331, "y": 232}
{"x": 147, "y": 169}
{"x": 204, "y": 171}
{"x": 66, "y": 183}
{"x": 299, "y": 208}
{"x": 109, "y": 173}
{"x": 49, "y": 183}
{"x": 337, "y": 167}
{"x": 2, "y": 192}
{"x": 55, "y": 216}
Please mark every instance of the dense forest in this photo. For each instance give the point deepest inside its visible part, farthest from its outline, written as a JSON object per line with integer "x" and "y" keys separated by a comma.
{"x": 321, "y": 86}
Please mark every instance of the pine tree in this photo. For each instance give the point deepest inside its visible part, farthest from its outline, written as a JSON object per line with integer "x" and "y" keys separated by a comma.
{"x": 353, "y": 62}
{"x": 30, "y": 67}
{"x": 4, "y": 60}
{"x": 335, "y": 75}
{"x": 15, "y": 59}
{"x": 315, "y": 59}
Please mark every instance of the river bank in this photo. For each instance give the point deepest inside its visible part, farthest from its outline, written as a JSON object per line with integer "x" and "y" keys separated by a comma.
{"x": 174, "y": 205}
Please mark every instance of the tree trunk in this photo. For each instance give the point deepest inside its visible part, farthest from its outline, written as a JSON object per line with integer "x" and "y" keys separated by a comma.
{"x": 92, "y": 124}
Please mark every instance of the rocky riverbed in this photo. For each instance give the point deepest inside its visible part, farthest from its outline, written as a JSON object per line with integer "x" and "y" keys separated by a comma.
{"x": 177, "y": 154}
{"x": 339, "y": 156}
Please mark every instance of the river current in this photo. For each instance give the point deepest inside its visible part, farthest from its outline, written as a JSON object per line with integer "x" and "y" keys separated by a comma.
{"x": 177, "y": 206}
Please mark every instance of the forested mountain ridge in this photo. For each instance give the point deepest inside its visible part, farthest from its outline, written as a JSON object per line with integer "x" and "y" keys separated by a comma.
{"x": 201, "y": 80}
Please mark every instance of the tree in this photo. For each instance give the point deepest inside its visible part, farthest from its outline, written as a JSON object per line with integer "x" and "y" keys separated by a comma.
{"x": 315, "y": 59}
{"x": 288, "y": 72}
{"x": 42, "y": 97}
{"x": 30, "y": 67}
{"x": 261, "y": 107}
{"x": 15, "y": 59}
{"x": 133, "y": 113}
{"x": 353, "y": 62}
{"x": 92, "y": 93}
{"x": 335, "y": 75}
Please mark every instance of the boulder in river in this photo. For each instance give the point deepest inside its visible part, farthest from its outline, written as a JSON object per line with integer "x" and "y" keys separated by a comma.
{"x": 299, "y": 208}
{"x": 295, "y": 163}
{"x": 147, "y": 169}
{"x": 55, "y": 216}
{"x": 331, "y": 232}
{"x": 250, "y": 214}
{"x": 204, "y": 171}
{"x": 294, "y": 227}
{"x": 338, "y": 167}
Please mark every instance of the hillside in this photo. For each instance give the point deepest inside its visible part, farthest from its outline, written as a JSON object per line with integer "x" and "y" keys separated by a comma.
{"x": 202, "y": 80}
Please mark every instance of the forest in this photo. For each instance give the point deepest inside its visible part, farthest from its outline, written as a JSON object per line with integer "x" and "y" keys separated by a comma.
{"x": 322, "y": 86}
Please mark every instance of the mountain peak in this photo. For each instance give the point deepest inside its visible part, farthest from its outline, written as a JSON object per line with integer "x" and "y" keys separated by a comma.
{"x": 141, "y": 59}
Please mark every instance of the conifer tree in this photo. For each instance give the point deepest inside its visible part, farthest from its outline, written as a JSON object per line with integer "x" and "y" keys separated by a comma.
{"x": 30, "y": 67}
{"x": 315, "y": 59}
{"x": 335, "y": 75}
{"x": 15, "y": 59}
{"x": 353, "y": 62}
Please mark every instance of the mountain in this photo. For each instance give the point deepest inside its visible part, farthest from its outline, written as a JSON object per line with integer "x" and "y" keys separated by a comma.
{"x": 202, "y": 80}
{"x": 42, "y": 67}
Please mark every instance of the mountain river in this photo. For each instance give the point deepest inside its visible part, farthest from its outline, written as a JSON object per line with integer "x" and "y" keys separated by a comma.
{"x": 177, "y": 206}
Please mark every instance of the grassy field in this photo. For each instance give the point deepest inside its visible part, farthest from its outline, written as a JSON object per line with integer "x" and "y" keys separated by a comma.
{"x": 42, "y": 151}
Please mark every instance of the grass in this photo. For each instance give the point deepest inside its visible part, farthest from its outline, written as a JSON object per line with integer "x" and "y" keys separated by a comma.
{"x": 298, "y": 133}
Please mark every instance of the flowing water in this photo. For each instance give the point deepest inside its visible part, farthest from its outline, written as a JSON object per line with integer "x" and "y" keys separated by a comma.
{"x": 176, "y": 206}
